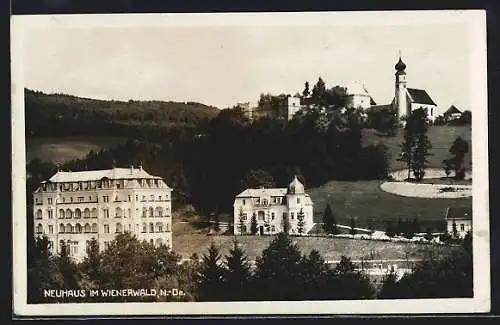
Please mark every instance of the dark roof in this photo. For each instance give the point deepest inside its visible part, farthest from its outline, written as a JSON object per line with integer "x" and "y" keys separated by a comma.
{"x": 452, "y": 110}
{"x": 400, "y": 66}
{"x": 453, "y": 213}
{"x": 372, "y": 102}
{"x": 420, "y": 96}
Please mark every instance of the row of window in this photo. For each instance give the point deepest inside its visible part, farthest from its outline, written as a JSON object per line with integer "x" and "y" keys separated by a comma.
{"x": 92, "y": 185}
{"x": 105, "y": 199}
{"x": 94, "y": 228}
{"x": 88, "y": 213}
{"x": 274, "y": 200}
{"x": 261, "y": 215}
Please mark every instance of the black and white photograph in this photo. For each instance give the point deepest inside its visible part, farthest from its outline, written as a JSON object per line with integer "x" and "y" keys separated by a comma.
{"x": 304, "y": 163}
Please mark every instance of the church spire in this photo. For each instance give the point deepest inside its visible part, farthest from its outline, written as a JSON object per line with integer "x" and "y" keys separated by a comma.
{"x": 400, "y": 66}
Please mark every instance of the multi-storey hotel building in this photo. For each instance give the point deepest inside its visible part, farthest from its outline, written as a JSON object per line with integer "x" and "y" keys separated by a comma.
{"x": 74, "y": 207}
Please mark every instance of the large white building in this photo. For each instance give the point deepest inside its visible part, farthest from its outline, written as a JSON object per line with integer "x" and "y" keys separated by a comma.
{"x": 74, "y": 207}
{"x": 273, "y": 208}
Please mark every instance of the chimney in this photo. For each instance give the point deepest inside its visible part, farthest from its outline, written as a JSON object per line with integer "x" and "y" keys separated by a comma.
{"x": 131, "y": 169}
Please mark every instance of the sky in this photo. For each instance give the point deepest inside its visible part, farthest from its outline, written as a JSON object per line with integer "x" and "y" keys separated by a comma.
{"x": 223, "y": 65}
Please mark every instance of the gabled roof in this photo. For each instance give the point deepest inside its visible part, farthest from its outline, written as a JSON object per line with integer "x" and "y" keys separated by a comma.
{"x": 459, "y": 213}
{"x": 420, "y": 96}
{"x": 94, "y": 175}
{"x": 452, "y": 110}
{"x": 261, "y": 192}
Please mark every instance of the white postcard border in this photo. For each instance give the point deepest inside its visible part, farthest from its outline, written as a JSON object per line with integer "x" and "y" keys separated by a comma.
{"x": 477, "y": 38}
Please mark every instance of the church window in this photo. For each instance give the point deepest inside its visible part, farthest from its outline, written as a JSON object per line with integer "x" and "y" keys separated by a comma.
{"x": 298, "y": 200}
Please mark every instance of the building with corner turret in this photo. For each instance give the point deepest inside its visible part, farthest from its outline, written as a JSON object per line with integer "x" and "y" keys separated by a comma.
{"x": 273, "y": 209}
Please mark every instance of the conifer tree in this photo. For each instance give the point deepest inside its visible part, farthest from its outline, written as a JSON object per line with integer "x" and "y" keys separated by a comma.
{"x": 237, "y": 275}
{"x": 301, "y": 224}
{"x": 329, "y": 222}
{"x": 210, "y": 276}
{"x": 253, "y": 224}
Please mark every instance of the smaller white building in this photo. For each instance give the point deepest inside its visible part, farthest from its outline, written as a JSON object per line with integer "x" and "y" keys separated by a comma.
{"x": 461, "y": 217}
{"x": 293, "y": 106}
{"x": 274, "y": 209}
{"x": 358, "y": 97}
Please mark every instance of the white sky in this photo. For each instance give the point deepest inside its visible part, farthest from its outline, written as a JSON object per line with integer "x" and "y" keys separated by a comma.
{"x": 222, "y": 65}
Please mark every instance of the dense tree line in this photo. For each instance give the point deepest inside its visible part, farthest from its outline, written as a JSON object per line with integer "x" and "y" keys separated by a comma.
{"x": 317, "y": 146}
{"x": 281, "y": 272}
{"x": 64, "y": 115}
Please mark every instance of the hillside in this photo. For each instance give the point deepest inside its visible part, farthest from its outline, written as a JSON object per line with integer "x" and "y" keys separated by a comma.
{"x": 65, "y": 115}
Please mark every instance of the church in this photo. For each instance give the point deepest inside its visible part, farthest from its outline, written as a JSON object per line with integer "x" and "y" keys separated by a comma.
{"x": 407, "y": 99}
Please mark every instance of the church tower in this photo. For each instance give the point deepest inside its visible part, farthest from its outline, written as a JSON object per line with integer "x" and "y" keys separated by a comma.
{"x": 400, "y": 102}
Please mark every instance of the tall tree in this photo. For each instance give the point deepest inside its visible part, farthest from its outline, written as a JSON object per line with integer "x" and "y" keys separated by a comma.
{"x": 68, "y": 270}
{"x": 390, "y": 288}
{"x": 278, "y": 271}
{"x": 210, "y": 276}
{"x": 352, "y": 230}
{"x": 286, "y": 224}
{"x": 306, "y": 92}
{"x": 458, "y": 150}
{"x": 91, "y": 265}
{"x": 253, "y": 224}
{"x": 329, "y": 222}
{"x": 389, "y": 229}
{"x": 241, "y": 223}
{"x": 314, "y": 273}
{"x": 237, "y": 275}
{"x": 416, "y": 145}
{"x": 301, "y": 224}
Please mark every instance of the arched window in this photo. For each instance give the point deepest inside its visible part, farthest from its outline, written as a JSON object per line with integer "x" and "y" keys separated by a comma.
{"x": 151, "y": 227}
{"x": 94, "y": 228}
{"x": 69, "y": 228}
{"x": 144, "y": 227}
{"x": 151, "y": 212}
{"x": 119, "y": 227}
{"x": 61, "y": 214}
{"x": 61, "y": 245}
{"x": 94, "y": 213}
{"x": 78, "y": 213}
{"x": 151, "y": 242}
{"x": 159, "y": 242}
{"x": 61, "y": 228}
{"x": 159, "y": 227}
{"x": 78, "y": 228}
{"x": 144, "y": 212}
{"x": 86, "y": 228}
{"x": 159, "y": 211}
{"x": 69, "y": 214}
{"x": 39, "y": 229}
{"x": 39, "y": 214}
{"x": 86, "y": 213}
{"x": 118, "y": 213}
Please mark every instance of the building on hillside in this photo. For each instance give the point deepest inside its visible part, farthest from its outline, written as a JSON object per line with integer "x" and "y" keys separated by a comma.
{"x": 407, "y": 99}
{"x": 461, "y": 217}
{"x": 273, "y": 209}
{"x": 286, "y": 109}
{"x": 452, "y": 113}
{"x": 74, "y": 207}
{"x": 358, "y": 97}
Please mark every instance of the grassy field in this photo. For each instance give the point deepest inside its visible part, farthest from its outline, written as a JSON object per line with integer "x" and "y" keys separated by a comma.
{"x": 441, "y": 138}
{"x": 187, "y": 240}
{"x": 59, "y": 150}
{"x": 367, "y": 203}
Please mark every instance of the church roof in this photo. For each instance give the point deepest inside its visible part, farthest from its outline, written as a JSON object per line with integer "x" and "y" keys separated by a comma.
{"x": 452, "y": 110}
{"x": 400, "y": 66}
{"x": 420, "y": 96}
{"x": 94, "y": 175}
{"x": 459, "y": 213}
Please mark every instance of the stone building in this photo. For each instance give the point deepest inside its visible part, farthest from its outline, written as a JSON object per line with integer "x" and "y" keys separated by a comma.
{"x": 273, "y": 208}
{"x": 74, "y": 207}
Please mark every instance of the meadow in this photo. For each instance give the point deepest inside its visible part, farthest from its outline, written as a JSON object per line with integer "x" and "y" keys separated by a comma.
{"x": 60, "y": 150}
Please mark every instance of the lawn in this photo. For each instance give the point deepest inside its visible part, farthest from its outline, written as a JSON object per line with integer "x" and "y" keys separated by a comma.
{"x": 367, "y": 203}
{"x": 441, "y": 138}
{"x": 60, "y": 150}
{"x": 188, "y": 240}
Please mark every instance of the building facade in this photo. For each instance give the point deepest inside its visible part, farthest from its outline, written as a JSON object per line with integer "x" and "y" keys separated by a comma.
{"x": 274, "y": 209}
{"x": 461, "y": 217}
{"x": 357, "y": 96}
{"x": 74, "y": 207}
